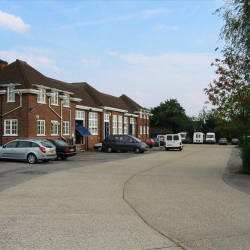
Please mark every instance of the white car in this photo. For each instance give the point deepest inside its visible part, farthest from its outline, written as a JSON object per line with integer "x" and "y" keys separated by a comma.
{"x": 173, "y": 141}
{"x": 98, "y": 147}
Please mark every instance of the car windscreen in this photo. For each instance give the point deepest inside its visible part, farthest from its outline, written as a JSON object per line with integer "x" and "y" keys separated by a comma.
{"x": 61, "y": 143}
{"x": 136, "y": 139}
{"x": 47, "y": 144}
{"x": 176, "y": 137}
{"x": 210, "y": 136}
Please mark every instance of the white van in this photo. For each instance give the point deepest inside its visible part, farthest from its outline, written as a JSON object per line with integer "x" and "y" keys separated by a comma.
{"x": 173, "y": 141}
{"x": 198, "y": 137}
{"x": 210, "y": 138}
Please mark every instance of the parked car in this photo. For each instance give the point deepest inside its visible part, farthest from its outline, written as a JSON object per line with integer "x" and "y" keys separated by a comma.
{"x": 235, "y": 141}
{"x": 98, "y": 147}
{"x": 223, "y": 141}
{"x": 63, "y": 149}
{"x": 150, "y": 142}
{"x": 28, "y": 149}
{"x": 123, "y": 143}
{"x": 156, "y": 142}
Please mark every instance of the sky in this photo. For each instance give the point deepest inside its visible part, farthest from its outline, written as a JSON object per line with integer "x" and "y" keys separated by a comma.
{"x": 151, "y": 51}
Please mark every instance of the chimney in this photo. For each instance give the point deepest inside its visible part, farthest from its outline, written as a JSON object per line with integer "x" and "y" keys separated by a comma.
{"x": 3, "y": 64}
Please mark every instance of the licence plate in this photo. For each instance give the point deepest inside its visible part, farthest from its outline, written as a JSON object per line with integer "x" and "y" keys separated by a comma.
{"x": 169, "y": 144}
{"x": 72, "y": 149}
{"x": 51, "y": 152}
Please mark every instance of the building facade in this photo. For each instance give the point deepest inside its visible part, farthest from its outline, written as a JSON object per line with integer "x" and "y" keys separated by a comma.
{"x": 35, "y": 106}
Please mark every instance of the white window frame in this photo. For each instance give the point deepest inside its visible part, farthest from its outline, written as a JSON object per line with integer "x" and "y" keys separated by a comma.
{"x": 140, "y": 130}
{"x": 147, "y": 130}
{"x": 66, "y": 128}
{"x": 93, "y": 123}
{"x": 120, "y": 125}
{"x": 114, "y": 124}
{"x": 125, "y": 129}
{"x": 54, "y": 128}
{"x": 40, "y": 127}
{"x": 106, "y": 117}
{"x": 66, "y": 100}
{"x": 10, "y": 94}
{"x": 132, "y": 121}
{"x": 12, "y": 127}
{"x": 41, "y": 97}
{"x": 54, "y": 98}
{"x": 80, "y": 116}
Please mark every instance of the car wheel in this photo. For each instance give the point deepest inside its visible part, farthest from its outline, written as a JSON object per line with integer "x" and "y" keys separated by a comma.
{"x": 109, "y": 149}
{"x": 137, "y": 150}
{"x": 64, "y": 158}
{"x": 180, "y": 149}
{"x": 32, "y": 158}
{"x": 99, "y": 149}
{"x": 166, "y": 149}
{"x": 45, "y": 161}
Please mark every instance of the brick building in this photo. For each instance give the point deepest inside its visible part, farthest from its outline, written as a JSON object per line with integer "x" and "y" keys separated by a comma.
{"x": 35, "y": 106}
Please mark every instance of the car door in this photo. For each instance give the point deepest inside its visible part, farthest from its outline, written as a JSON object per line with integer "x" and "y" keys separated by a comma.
{"x": 169, "y": 140}
{"x": 119, "y": 143}
{"x": 8, "y": 150}
{"x": 22, "y": 150}
{"x": 128, "y": 143}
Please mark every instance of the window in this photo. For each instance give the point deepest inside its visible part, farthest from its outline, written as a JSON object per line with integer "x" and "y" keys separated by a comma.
{"x": 144, "y": 130}
{"x": 23, "y": 144}
{"x": 41, "y": 96}
{"x": 40, "y": 127}
{"x": 54, "y": 127}
{"x": 12, "y": 144}
{"x": 120, "y": 125}
{"x": 54, "y": 98}
{"x": 140, "y": 130}
{"x": 10, "y": 94}
{"x": 66, "y": 100}
{"x": 93, "y": 123}
{"x": 10, "y": 127}
{"x": 66, "y": 128}
{"x": 80, "y": 115}
{"x": 125, "y": 129}
{"x": 106, "y": 117}
{"x": 114, "y": 124}
{"x": 147, "y": 130}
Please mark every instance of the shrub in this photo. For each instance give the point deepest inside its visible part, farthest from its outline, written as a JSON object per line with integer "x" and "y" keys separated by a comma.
{"x": 245, "y": 156}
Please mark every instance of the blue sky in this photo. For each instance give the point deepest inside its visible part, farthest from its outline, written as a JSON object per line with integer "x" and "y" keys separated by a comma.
{"x": 149, "y": 50}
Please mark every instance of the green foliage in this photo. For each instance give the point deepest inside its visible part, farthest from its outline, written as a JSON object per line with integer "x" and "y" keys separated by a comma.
{"x": 245, "y": 155}
{"x": 170, "y": 114}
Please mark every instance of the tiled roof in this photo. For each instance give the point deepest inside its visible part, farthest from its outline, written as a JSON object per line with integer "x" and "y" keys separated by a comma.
{"x": 22, "y": 73}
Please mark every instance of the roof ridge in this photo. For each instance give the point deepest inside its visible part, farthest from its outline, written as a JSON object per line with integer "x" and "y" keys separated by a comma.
{"x": 92, "y": 95}
{"x": 24, "y": 76}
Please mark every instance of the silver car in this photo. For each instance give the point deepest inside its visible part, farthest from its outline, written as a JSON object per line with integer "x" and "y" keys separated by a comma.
{"x": 28, "y": 149}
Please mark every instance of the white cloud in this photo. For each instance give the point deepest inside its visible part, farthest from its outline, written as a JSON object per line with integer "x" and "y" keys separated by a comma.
{"x": 11, "y": 22}
{"x": 33, "y": 56}
{"x": 144, "y": 14}
{"x": 90, "y": 63}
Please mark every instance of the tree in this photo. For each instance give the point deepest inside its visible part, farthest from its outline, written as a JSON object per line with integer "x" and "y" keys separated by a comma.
{"x": 230, "y": 93}
{"x": 169, "y": 114}
{"x": 236, "y": 30}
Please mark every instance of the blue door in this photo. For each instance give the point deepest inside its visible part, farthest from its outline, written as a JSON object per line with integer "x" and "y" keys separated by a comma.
{"x": 106, "y": 129}
{"x": 131, "y": 129}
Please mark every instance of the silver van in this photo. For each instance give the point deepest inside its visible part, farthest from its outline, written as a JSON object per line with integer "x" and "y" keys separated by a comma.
{"x": 30, "y": 150}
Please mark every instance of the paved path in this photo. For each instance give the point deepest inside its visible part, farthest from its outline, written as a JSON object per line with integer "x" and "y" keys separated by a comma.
{"x": 167, "y": 200}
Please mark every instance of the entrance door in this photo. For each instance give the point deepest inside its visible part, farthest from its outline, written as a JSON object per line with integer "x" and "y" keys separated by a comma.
{"x": 131, "y": 129}
{"x": 106, "y": 129}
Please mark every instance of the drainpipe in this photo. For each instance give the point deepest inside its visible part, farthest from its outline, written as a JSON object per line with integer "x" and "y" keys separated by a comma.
{"x": 104, "y": 128}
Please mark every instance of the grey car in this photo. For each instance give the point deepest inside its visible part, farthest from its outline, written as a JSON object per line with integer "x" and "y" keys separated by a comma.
{"x": 30, "y": 150}
{"x": 123, "y": 143}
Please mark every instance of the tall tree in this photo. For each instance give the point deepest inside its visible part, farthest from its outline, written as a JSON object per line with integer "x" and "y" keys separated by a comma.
{"x": 169, "y": 114}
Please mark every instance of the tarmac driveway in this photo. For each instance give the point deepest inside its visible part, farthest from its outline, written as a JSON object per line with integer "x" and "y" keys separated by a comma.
{"x": 166, "y": 200}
